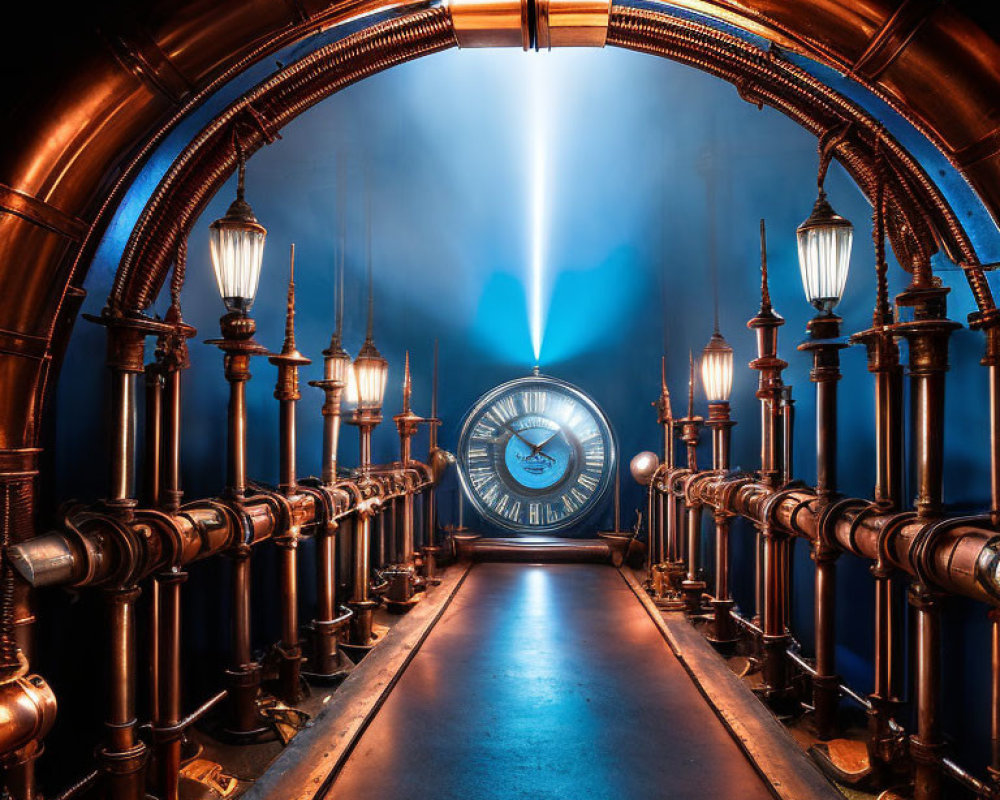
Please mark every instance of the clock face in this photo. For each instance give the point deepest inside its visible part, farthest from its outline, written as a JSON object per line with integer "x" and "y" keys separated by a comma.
{"x": 535, "y": 454}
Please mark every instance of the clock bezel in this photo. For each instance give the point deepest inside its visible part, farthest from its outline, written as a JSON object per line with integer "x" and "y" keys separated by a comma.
{"x": 546, "y": 381}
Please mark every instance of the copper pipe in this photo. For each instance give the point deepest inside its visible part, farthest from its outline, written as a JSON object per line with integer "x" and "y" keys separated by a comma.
{"x": 825, "y": 345}
{"x": 991, "y": 359}
{"x": 167, "y": 712}
{"x": 926, "y": 744}
{"x": 171, "y": 472}
{"x": 361, "y": 603}
{"x": 122, "y": 486}
{"x": 236, "y": 475}
{"x": 123, "y": 756}
{"x": 693, "y": 587}
{"x": 244, "y": 672}
{"x": 154, "y": 441}
{"x": 325, "y": 658}
{"x": 721, "y": 424}
{"x": 290, "y": 654}
{"x": 787, "y": 433}
{"x": 286, "y": 391}
{"x": 994, "y": 767}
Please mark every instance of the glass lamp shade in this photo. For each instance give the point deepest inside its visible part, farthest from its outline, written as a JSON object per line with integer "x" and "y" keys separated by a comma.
{"x": 370, "y": 372}
{"x": 337, "y": 366}
{"x": 351, "y": 388}
{"x": 717, "y": 369}
{"x": 237, "y": 244}
{"x": 824, "y": 255}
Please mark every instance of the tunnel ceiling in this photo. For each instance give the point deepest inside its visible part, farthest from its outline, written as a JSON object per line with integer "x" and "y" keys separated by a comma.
{"x": 95, "y": 104}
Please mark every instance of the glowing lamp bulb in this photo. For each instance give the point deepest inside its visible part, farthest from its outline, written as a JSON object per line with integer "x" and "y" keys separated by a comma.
{"x": 717, "y": 369}
{"x": 825, "y": 240}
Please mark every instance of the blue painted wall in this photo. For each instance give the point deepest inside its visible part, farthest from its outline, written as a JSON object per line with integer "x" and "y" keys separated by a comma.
{"x": 652, "y": 168}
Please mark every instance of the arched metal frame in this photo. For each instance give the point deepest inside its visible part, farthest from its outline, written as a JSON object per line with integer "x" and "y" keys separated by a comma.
{"x": 79, "y": 143}
{"x": 78, "y": 146}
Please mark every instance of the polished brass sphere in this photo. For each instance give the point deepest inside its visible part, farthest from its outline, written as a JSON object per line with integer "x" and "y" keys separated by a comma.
{"x": 643, "y": 465}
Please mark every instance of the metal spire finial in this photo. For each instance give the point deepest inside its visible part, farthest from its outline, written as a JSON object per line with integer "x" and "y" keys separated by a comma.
{"x": 663, "y": 375}
{"x": 765, "y": 292}
{"x": 241, "y": 165}
{"x": 691, "y": 385}
{"x": 883, "y": 310}
{"x": 289, "y": 345}
{"x": 341, "y": 256}
{"x": 368, "y": 258}
{"x": 407, "y": 384}
{"x": 434, "y": 387}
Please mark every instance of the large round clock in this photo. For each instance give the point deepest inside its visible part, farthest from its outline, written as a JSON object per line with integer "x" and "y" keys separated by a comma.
{"x": 535, "y": 454}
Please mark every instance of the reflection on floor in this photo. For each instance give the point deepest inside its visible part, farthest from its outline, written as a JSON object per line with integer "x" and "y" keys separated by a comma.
{"x": 544, "y": 682}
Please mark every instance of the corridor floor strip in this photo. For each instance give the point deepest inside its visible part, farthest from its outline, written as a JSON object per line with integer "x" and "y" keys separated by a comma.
{"x": 546, "y": 682}
{"x": 305, "y": 767}
{"x": 789, "y": 771}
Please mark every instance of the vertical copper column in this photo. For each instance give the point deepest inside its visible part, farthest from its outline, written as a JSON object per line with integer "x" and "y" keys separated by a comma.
{"x": 154, "y": 430}
{"x": 167, "y": 707}
{"x": 721, "y": 425}
{"x": 286, "y": 391}
{"x": 773, "y": 551}
{"x": 673, "y": 567}
{"x": 926, "y": 744}
{"x": 991, "y": 359}
{"x": 244, "y": 673}
{"x": 165, "y": 646}
{"x": 18, "y": 474}
{"x": 690, "y": 430}
{"x": 326, "y": 629}
{"x": 927, "y": 335}
{"x": 430, "y": 548}
{"x": 883, "y": 363}
{"x": 407, "y": 424}
{"x": 825, "y": 345}
{"x": 123, "y": 757}
{"x": 361, "y": 604}
{"x": 994, "y": 767}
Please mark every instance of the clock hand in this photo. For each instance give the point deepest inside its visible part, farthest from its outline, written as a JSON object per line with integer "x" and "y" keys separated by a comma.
{"x": 536, "y": 450}
{"x": 518, "y": 435}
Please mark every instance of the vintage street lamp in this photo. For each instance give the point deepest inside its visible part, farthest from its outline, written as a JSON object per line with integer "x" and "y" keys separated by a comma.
{"x": 825, "y": 240}
{"x": 370, "y": 371}
{"x": 237, "y": 244}
{"x": 717, "y": 378}
{"x": 824, "y": 261}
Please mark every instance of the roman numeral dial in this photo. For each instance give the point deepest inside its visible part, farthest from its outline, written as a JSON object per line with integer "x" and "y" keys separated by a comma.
{"x": 535, "y": 455}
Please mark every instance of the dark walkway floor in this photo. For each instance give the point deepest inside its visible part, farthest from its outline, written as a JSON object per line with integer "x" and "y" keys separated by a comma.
{"x": 546, "y": 682}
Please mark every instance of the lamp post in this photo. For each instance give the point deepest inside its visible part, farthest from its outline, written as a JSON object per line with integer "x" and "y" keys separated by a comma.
{"x": 370, "y": 371}
{"x": 439, "y": 461}
{"x": 287, "y": 393}
{"x": 771, "y": 540}
{"x": 824, "y": 241}
{"x": 402, "y": 578}
{"x": 692, "y": 586}
{"x": 337, "y": 368}
{"x": 717, "y": 378}
{"x": 237, "y": 247}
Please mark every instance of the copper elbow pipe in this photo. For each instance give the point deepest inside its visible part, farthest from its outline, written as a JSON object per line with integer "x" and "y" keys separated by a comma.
{"x": 27, "y": 712}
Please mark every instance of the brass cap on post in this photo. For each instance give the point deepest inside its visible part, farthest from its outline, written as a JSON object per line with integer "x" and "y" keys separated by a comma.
{"x": 538, "y": 24}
